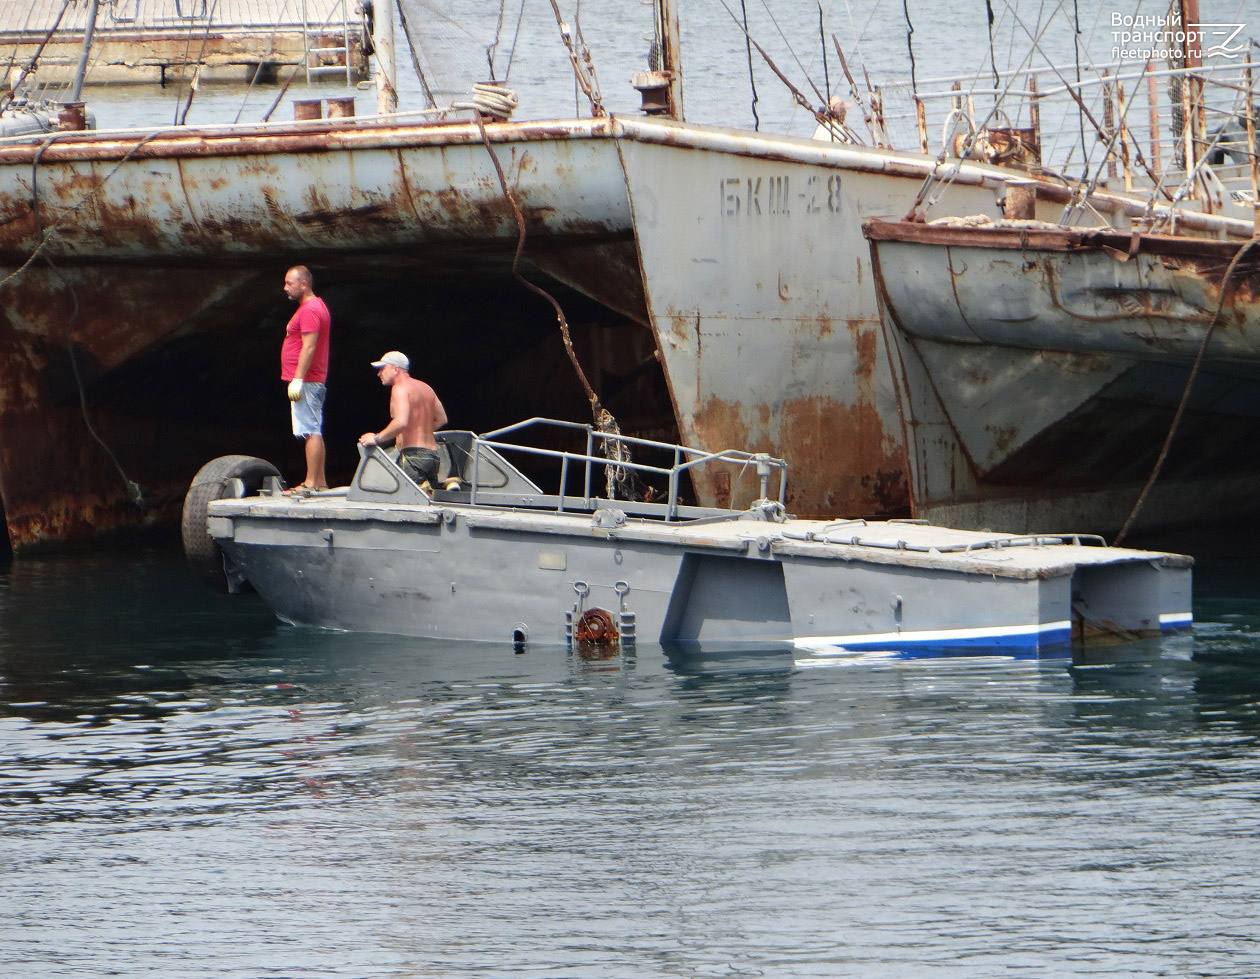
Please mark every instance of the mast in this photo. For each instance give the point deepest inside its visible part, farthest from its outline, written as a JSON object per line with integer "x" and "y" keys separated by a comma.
{"x": 386, "y": 65}
{"x": 81, "y": 70}
{"x": 671, "y": 53}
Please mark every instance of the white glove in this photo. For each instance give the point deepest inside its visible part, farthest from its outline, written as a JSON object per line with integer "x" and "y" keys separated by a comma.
{"x": 295, "y": 389}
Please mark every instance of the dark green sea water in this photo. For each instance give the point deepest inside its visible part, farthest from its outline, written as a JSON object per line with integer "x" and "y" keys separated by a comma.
{"x": 190, "y": 788}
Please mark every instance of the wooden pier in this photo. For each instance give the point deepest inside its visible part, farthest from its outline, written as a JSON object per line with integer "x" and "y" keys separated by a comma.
{"x": 165, "y": 40}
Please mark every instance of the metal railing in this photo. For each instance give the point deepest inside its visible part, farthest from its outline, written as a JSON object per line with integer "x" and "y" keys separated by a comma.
{"x": 1175, "y": 132}
{"x": 309, "y": 52}
{"x": 685, "y": 460}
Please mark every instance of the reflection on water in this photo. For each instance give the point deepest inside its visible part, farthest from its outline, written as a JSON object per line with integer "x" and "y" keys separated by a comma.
{"x": 188, "y": 782}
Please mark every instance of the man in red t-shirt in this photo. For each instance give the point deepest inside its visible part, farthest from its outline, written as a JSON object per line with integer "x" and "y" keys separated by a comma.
{"x": 304, "y": 364}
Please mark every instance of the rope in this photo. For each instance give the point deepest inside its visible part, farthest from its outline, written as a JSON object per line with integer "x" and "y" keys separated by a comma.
{"x": 1185, "y": 395}
{"x": 134, "y": 492}
{"x": 516, "y": 272}
{"x": 614, "y": 448}
{"x": 495, "y": 101}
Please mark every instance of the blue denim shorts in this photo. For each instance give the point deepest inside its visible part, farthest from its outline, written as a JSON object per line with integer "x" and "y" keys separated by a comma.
{"x": 308, "y": 410}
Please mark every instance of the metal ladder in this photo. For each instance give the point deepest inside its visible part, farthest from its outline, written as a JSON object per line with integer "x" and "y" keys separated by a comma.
{"x": 313, "y": 52}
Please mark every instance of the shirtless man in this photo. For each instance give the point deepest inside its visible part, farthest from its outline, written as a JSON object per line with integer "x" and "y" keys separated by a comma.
{"x": 415, "y": 413}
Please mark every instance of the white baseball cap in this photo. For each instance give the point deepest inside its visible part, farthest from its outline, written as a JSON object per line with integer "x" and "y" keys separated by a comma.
{"x": 394, "y": 359}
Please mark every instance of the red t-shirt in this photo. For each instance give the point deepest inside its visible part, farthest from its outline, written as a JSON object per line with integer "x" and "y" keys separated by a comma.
{"x": 311, "y": 317}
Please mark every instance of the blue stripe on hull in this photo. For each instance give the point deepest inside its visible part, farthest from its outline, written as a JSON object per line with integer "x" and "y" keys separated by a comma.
{"x": 1175, "y": 621}
{"x": 1022, "y": 641}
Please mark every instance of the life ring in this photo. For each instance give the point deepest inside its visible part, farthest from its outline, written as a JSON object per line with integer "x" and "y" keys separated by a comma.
{"x": 219, "y": 478}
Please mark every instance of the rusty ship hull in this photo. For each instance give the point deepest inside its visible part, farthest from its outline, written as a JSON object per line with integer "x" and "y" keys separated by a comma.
{"x": 718, "y": 283}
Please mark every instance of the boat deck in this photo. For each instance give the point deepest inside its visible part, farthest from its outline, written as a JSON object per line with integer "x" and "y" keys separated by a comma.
{"x": 910, "y": 543}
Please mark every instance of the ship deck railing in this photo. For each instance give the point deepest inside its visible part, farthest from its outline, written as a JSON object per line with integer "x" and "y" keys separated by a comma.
{"x": 611, "y": 450}
{"x": 1176, "y": 133}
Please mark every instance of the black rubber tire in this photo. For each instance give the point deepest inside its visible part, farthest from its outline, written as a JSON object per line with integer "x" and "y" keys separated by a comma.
{"x": 210, "y": 484}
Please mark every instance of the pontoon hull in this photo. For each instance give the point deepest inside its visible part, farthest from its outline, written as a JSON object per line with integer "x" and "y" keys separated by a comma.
{"x": 511, "y": 564}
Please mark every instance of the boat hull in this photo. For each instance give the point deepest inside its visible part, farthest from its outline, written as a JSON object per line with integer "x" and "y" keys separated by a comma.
{"x": 1070, "y": 351}
{"x": 457, "y": 572}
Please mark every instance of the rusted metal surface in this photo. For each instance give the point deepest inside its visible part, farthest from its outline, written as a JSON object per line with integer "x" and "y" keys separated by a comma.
{"x": 1065, "y": 352}
{"x": 1070, "y": 290}
{"x": 305, "y": 109}
{"x": 767, "y": 322}
{"x": 718, "y": 284}
{"x": 341, "y": 108}
{"x": 598, "y": 628}
{"x": 150, "y": 253}
{"x": 331, "y": 188}
{"x": 72, "y": 117}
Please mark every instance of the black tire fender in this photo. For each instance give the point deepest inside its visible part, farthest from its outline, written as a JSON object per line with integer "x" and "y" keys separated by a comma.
{"x": 214, "y": 481}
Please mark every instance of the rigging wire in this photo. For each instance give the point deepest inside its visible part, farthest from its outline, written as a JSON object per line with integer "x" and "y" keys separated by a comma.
{"x": 921, "y": 198}
{"x": 520, "y": 19}
{"x": 17, "y": 44}
{"x": 905, "y": 7}
{"x": 195, "y": 83}
{"x": 253, "y": 78}
{"x": 493, "y": 47}
{"x": 791, "y": 50}
{"x": 988, "y": 8}
{"x": 415, "y": 58}
{"x": 1076, "y": 49}
{"x": 39, "y": 51}
{"x": 752, "y": 78}
{"x": 293, "y": 74}
{"x": 822, "y": 37}
{"x": 580, "y": 58}
{"x": 821, "y": 114}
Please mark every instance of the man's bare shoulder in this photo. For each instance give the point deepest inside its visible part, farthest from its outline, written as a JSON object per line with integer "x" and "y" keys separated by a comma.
{"x": 418, "y": 388}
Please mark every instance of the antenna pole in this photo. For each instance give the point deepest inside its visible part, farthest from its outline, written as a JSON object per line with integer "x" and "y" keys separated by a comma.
{"x": 81, "y": 70}
{"x": 386, "y": 66}
{"x": 671, "y": 53}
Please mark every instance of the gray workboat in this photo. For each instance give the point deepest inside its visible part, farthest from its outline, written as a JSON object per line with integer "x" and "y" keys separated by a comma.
{"x": 491, "y": 556}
